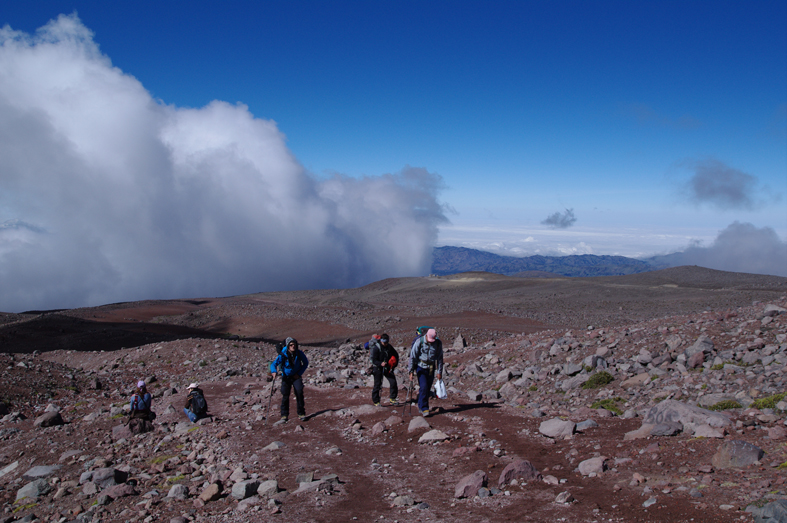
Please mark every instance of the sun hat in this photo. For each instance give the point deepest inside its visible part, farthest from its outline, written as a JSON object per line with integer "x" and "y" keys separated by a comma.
{"x": 431, "y": 335}
{"x": 192, "y": 386}
{"x": 140, "y": 384}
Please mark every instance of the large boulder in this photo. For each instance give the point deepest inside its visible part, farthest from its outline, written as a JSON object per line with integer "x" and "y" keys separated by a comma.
{"x": 520, "y": 468}
{"x": 48, "y": 419}
{"x": 773, "y": 512}
{"x": 106, "y": 477}
{"x": 736, "y": 454}
{"x": 468, "y": 486}
{"x": 595, "y": 466}
{"x": 33, "y": 490}
{"x": 671, "y": 411}
{"x": 245, "y": 489}
{"x": 557, "y": 428}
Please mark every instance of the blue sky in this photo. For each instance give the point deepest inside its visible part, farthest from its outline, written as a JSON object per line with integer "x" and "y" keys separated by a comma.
{"x": 657, "y": 124}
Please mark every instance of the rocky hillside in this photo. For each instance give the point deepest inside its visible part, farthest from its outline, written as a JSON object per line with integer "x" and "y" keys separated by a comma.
{"x": 672, "y": 419}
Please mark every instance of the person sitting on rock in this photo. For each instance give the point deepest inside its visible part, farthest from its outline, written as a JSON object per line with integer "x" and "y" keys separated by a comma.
{"x": 196, "y": 405}
{"x": 384, "y": 360}
{"x": 426, "y": 362}
{"x": 292, "y": 363}
{"x": 141, "y": 402}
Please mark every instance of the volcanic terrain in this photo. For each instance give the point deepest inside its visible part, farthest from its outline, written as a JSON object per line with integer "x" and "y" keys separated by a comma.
{"x": 654, "y": 397}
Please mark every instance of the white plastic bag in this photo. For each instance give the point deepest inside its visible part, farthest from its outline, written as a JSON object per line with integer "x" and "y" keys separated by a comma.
{"x": 439, "y": 389}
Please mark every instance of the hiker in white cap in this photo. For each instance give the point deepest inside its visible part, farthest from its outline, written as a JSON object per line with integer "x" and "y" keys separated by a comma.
{"x": 426, "y": 363}
{"x": 196, "y": 405}
{"x": 141, "y": 401}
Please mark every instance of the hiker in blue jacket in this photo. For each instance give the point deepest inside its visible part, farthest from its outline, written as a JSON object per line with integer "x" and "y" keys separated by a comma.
{"x": 292, "y": 363}
{"x": 426, "y": 362}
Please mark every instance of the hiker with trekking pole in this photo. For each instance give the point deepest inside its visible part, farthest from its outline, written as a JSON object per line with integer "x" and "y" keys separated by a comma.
{"x": 384, "y": 358}
{"x": 292, "y": 363}
{"x": 426, "y": 364}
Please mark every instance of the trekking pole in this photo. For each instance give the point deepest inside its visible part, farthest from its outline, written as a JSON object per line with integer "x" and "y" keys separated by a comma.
{"x": 409, "y": 389}
{"x": 270, "y": 399}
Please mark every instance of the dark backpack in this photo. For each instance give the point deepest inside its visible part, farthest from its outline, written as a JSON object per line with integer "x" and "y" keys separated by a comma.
{"x": 198, "y": 405}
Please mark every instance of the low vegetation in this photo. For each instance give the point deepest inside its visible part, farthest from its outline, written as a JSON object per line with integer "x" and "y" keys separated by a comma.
{"x": 598, "y": 379}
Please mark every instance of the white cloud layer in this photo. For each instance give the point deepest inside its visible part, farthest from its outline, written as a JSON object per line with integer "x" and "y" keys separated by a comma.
{"x": 108, "y": 195}
{"x": 741, "y": 247}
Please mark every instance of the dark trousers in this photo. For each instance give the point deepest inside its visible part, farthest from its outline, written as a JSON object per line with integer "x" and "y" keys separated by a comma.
{"x": 425, "y": 380}
{"x": 296, "y": 384}
{"x": 378, "y": 373}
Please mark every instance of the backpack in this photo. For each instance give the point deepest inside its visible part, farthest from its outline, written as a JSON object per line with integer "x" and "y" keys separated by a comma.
{"x": 198, "y": 405}
{"x": 374, "y": 342}
{"x": 136, "y": 401}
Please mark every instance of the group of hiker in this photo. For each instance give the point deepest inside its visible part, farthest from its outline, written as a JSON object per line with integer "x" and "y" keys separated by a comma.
{"x": 426, "y": 365}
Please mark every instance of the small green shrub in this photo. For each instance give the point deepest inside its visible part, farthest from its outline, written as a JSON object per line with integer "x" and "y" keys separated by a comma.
{"x": 598, "y": 379}
{"x": 725, "y": 405}
{"x": 609, "y": 404}
{"x": 24, "y": 507}
{"x": 160, "y": 459}
{"x": 117, "y": 416}
{"x": 532, "y": 388}
{"x": 718, "y": 366}
{"x": 769, "y": 402}
{"x": 175, "y": 479}
{"x": 782, "y": 466}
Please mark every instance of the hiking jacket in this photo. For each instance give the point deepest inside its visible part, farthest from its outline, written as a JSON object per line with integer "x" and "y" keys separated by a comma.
{"x": 379, "y": 353}
{"x": 143, "y": 404}
{"x": 191, "y": 395}
{"x": 424, "y": 354}
{"x": 290, "y": 365}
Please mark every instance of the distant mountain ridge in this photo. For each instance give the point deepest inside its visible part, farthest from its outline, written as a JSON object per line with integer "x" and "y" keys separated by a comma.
{"x": 451, "y": 260}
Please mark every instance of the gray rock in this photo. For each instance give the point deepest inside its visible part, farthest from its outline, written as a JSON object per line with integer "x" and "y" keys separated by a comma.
{"x": 468, "y": 486}
{"x": 736, "y": 454}
{"x": 33, "y": 490}
{"x": 504, "y": 376}
{"x": 9, "y": 468}
{"x": 48, "y": 419}
{"x": 276, "y": 445}
{"x": 671, "y": 411}
{"x": 433, "y": 436}
{"x": 41, "y": 471}
{"x": 595, "y": 466}
{"x": 773, "y": 512}
{"x": 474, "y": 395}
{"x": 574, "y": 383}
{"x": 557, "y": 428}
{"x": 268, "y": 489}
{"x": 106, "y": 477}
{"x": 703, "y": 344}
{"x": 584, "y": 425}
{"x": 245, "y": 489}
{"x": 418, "y": 423}
{"x": 572, "y": 369}
{"x": 178, "y": 492}
{"x": 564, "y": 498}
{"x": 403, "y": 501}
{"x": 518, "y": 469}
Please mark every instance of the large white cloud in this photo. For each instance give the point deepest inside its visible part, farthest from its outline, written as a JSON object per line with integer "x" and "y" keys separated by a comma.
{"x": 108, "y": 195}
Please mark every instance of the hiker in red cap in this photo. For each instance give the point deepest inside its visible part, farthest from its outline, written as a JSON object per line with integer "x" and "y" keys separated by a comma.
{"x": 426, "y": 362}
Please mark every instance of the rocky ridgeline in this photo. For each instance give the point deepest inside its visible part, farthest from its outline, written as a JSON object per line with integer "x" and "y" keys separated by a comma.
{"x": 710, "y": 376}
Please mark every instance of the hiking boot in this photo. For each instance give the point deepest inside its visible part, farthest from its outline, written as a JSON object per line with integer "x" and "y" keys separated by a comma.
{"x": 302, "y": 417}
{"x": 393, "y": 401}
{"x": 425, "y": 413}
{"x": 284, "y": 419}
{"x": 377, "y": 404}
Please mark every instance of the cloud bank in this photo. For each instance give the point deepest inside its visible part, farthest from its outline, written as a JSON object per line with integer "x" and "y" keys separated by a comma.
{"x": 721, "y": 186}
{"x": 560, "y": 220}
{"x": 108, "y": 195}
{"x": 741, "y": 247}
